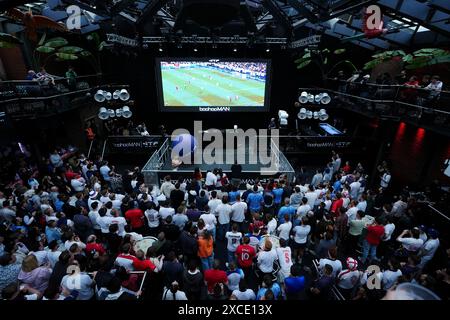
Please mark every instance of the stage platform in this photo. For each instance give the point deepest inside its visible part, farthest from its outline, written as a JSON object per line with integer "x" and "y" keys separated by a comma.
{"x": 160, "y": 165}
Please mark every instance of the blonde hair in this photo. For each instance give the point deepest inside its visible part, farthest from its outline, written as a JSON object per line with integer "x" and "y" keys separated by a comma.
{"x": 29, "y": 263}
{"x": 268, "y": 245}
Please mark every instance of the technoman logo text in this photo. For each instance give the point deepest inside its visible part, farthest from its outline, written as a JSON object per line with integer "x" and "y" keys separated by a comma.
{"x": 214, "y": 109}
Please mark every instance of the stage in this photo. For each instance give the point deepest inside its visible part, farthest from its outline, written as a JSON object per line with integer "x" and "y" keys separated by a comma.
{"x": 160, "y": 164}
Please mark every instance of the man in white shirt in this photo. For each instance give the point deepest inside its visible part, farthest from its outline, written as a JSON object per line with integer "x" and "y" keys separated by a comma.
{"x": 317, "y": 178}
{"x": 266, "y": 258}
{"x": 104, "y": 171}
{"x": 351, "y": 211}
{"x": 388, "y": 230}
{"x": 429, "y": 248}
{"x": 302, "y": 210}
{"x": 354, "y": 189}
{"x": 210, "y": 180}
{"x": 234, "y": 240}
{"x": 120, "y": 221}
{"x": 238, "y": 210}
{"x": 332, "y": 261}
{"x": 311, "y": 195}
{"x": 210, "y": 221}
{"x": 78, "y": 184}
{"x": 93, "y": 215}
{"x": 435, "y": 88}
{"x": 413, "y": 243}
{"x": 223, "y": 213}
{"x": 284, "y": 229}
{"x": 167, "y": 187}
{"x": 362, "y": 205}
{"x": 214, "y": 202}
{"x": 385, "y": 179}
{"x": 104, "y": 221}
{"x": 165, "y": 211}
{"x": 285, "y": 260}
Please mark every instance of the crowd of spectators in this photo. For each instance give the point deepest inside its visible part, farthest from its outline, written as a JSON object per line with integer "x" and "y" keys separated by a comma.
{"x": 404, "y": 87}
{"x": 71, "y": 229}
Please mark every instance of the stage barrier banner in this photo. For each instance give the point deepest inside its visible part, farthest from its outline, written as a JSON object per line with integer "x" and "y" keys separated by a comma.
{"x": 133, "y": 144}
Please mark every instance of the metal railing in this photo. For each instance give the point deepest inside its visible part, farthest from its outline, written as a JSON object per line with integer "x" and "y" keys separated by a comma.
{"x": 390, "y": 102}
{"x": 415, "y": 97}
{"x": 14, "y": 90}
{"x": 154, "y": 164}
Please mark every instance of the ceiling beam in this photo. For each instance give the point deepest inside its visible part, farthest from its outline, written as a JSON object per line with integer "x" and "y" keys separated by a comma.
{"x": 150, "y": 10}
{"x": 248, "y": 17}
{"x": 280, "y": 15}
{"x": 301, "y": 9}
{"x": 415, "y": 19}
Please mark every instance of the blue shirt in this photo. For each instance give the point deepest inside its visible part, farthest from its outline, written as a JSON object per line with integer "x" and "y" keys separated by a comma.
{"x": 278, "y": 192}
{"x": 52, "y": 234}
{"x": 58, "y": 205}
{"x": 294, "y": 284}
{"x": 337, "y": 185}
{"x": 232, "y": 196}
{"x": 254, "y": 201}
{"x": 275, "y": 289}
{"x": 285, "y": 210}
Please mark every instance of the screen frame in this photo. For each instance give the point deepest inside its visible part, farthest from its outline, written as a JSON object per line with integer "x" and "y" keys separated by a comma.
{"x": 189, "y": 109}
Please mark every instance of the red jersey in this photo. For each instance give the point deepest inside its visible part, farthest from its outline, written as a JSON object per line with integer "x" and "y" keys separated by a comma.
{"x": 245, "y": 254}
{"x": 212, "y": 277}
{"x": 136, "y": 218}
{"x": 337, "y": 204}
{"x": 95, "y": 246}
{"x": 143, "y": 265}
{"x": 374, "y": 234}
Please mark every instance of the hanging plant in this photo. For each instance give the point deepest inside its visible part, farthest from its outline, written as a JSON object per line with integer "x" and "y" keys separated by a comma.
{"x": 339, "y": 51}
{"x": 56, "y": 42}
{"x": 6, "y": 45}
{"x": 70, "y": 49}
{"x": 66, "y": 56}
{"x": 8, "y": 38}
{"x": 426, "y": 57}
{"x": 45, "y": 49}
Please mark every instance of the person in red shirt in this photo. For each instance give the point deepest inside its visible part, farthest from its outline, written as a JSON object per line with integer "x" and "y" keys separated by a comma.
{"x": 135, "y": 218}
{"x": 142, "y": 264}
{"x": 214, "y": 276}
{"x": 93, "y": 247}
{"x": 337, "y": 204}
{"x": 375, "y": 233}
{"x": 347, "y": 168}
{"x": 245, "y": 254}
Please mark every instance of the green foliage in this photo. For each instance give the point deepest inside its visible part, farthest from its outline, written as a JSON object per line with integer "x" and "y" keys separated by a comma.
{"x": 6, "y": 45}
{"x": 339, "y": 51}
{"x": 66, "y": 56}
{"x": 426, "y": 57}
{"x": 70, "y": 49}
{"x": 45, "y": 49}
{"x": 56, "y": 42}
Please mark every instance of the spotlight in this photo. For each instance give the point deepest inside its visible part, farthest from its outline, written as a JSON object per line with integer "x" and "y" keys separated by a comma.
{"x": 161, "y": 49}
{"x": 235, "y": 50}
{"x": 283, "y": 117}
{"x": 303, "y": 97}
{"x": 268, "y": 50}
{"x": 103, "y": 114}
{"x": 195, "y": 49}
